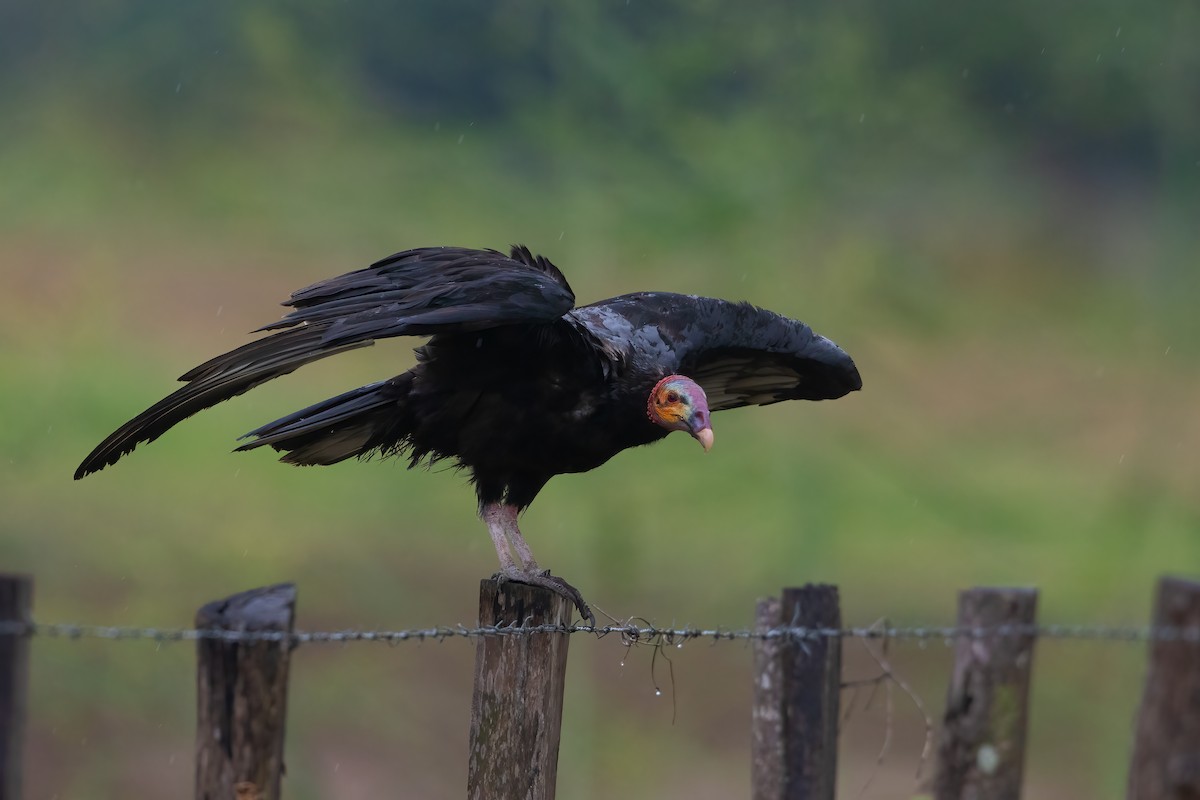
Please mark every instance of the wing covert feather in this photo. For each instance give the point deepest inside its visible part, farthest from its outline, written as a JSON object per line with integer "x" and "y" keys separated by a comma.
{"x": 739, "y": 353}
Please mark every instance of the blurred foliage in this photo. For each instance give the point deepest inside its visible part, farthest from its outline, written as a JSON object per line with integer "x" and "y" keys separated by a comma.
{"x": 992, "y": 207}
{"x": 1102, "y": 87}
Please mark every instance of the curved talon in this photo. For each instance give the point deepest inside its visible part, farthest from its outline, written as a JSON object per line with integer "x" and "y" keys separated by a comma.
{"x": 559, "y": 586}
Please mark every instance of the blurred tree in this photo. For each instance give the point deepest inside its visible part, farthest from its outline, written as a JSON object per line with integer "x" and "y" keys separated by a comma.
{"x": 1116, "y": 84}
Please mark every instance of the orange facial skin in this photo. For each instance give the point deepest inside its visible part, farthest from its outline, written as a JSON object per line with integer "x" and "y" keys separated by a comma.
{"x": 677, "y": 403}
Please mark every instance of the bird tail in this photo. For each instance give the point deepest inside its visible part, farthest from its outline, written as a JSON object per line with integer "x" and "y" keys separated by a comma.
{"x": 372, "y": 417}
{"x": 214, "y": 381}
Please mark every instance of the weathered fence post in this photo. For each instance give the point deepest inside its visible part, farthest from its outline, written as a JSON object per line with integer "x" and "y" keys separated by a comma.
{"x": 516, "y": 708}
{"x": 16, "y": 593}
{"x": 981, "y": 750}
{"x": 242, "y": 695}
{"x": 1166, "y": 753}
{"x": 796, "y": 696}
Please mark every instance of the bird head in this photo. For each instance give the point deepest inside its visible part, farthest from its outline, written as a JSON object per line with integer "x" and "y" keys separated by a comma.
{"x": 677, "y": 403}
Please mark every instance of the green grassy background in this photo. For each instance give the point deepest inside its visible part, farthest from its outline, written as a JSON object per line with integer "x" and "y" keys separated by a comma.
{"x": 1018, "y": 289}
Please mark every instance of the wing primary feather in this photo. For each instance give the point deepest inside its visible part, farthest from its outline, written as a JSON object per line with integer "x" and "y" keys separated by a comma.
{"x": 427, "y": 291}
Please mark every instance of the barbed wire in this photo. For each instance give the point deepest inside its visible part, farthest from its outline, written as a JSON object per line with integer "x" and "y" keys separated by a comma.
{"x": 629, "y": 633}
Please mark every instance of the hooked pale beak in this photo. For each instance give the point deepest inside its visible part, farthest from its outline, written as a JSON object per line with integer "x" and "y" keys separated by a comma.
{"x": 705, "y": 437}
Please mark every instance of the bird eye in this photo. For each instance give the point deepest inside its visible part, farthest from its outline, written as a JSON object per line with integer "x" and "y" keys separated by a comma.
{"x": 672, "y": 397}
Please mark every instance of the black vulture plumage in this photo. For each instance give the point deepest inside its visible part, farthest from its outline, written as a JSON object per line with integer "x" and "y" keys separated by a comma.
{"x": 515, "y": 383}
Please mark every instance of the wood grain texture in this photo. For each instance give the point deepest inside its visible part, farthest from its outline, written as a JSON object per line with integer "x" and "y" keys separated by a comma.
{"x": 981, "y": 749}
{"x": 16, "y": 594}
{"x": 242, "y": 696}
{"x": 766, "y": 720}
{"x": 516, "y": 707}
{"x": 767, "y": 716}
{"x": 1166, "y": 753}
{"x": 797, "y": 696}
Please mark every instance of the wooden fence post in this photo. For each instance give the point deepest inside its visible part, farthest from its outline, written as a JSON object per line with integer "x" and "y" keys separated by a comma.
{"x": 516, "y": 707}
{"x": 797, "y": 691}
{"x": 1166, "y": 753}
{"x": 981, "y": 750}
{"x": 242, "y": 696}
{"x": 16, "y": 593}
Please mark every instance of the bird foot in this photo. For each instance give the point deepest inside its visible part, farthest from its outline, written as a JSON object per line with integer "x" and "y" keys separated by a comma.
{"x": 543, "y": 578}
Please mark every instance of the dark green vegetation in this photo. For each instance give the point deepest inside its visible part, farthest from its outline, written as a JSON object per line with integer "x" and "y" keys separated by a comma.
{"x": 992, "y": 208}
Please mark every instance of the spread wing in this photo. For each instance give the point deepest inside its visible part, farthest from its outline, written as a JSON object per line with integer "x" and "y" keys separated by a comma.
{"x": 431, "y": 290}
{"x": 735, "y": 377}
{"x": 750, "y": 356}
{"x": 740, "y": 354}
{"x": 415, "y": 292}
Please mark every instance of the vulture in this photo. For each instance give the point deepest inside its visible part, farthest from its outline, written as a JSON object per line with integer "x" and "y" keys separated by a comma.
{"x": 514, "y": 383}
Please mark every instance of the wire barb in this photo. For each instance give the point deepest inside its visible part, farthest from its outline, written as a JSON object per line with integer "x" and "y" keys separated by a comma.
{"x": 630, "y": 634}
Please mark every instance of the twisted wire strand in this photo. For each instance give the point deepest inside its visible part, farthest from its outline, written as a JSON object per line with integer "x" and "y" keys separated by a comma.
{"x": 628, "y": 633}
